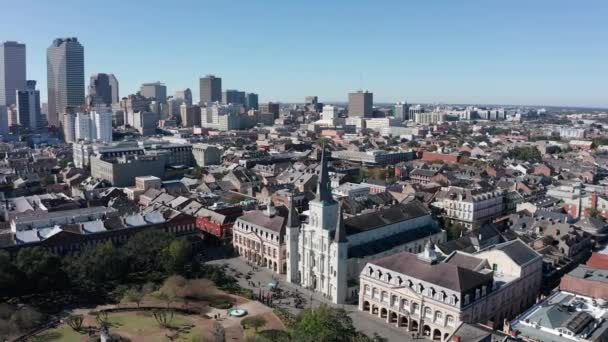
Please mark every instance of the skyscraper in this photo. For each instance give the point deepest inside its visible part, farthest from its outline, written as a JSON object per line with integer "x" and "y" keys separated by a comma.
{"x": 233, "y": 96}
{"x": 28, "y": 106}
{"x": 102, "y": 126}
{"x": 69, "y": 126}
{"x": 252, "y": 100}
{"x": 103, "y": 89}
{"x": 211, "y": 89}
{"x": 360, "y": 104}
{"x": 270, "y": 107}
{"x": 65, "y": 77}
{"x": 185, "y": 95}
{"x": 156, "y": 91}
{"x": 402, "y": 111}
{"x": 12, "y": 72}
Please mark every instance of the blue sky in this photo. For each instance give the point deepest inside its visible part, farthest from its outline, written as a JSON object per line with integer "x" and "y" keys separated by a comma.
{"x": 486, "y": 51}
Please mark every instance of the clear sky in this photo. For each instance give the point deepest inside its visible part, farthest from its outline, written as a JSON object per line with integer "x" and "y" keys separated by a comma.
{"x": 552, "y": 52}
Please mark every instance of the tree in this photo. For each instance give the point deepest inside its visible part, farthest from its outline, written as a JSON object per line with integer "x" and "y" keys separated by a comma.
{"x": 41, "y": 269}
{"x": 7, "y": 329}
{"x": 594, "y": 213}
{"x": 525, "y": 153}
{"x": 254, "y": 322}
{"x": 97, "y": 269}
{"x": 132, "y": 295}
{"x": 176, "y": 256}
{"x": 163, "y": 317}
{"x": 143, "y": 251}
{"x": 102, "y": 318}
{"x": 75, "y": 322}
{"x": 27, "y": 318}
{"x": 323, "y": 324}
{"x": 11, "y": 278}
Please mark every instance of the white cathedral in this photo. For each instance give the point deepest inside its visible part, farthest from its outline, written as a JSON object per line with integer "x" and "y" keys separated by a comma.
{"x": 322, "y": 257}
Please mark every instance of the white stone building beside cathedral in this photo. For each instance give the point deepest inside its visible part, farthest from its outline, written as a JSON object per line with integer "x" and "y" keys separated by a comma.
{"x": 327, "y": 252}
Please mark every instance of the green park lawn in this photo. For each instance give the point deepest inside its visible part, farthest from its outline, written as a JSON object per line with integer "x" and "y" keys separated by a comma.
{"x": 129, "y": 324}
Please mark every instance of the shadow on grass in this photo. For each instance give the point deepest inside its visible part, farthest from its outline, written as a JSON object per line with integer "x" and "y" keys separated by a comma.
{"x": 47, "y": 336}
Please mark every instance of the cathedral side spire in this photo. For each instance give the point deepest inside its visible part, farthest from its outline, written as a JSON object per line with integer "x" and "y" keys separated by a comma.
{"x": 324, "y": 186}
{"x": 340, "y": 235}
{"x": 293, "y": 219}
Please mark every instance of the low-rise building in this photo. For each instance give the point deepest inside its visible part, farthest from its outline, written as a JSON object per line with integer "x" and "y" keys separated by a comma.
{"x": 259, "y": 237}
{"x": 121, "y": 171}
{"x": 375, "y": 157}
{"x": 421, "y": 294}
{"x": 564, "y": 317}
{"x": 205, "y": 154}
{"x": 470, "y": 207}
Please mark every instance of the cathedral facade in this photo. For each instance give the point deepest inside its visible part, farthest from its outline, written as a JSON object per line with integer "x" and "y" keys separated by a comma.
{"x": 317, "y": 250}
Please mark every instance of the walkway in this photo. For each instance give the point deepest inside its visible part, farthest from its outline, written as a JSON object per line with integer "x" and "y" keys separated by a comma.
{"x": 362, "y": 321}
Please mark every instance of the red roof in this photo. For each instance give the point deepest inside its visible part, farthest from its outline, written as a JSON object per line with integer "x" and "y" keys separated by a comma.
{"x": 598, "y": 260}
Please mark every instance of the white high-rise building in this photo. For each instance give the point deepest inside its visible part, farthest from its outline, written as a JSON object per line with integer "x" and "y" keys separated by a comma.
{"x": 329, "y": 113}
{"x": 103, "y": 126}
{"x": 93, "y": 127}
{"x": 402, "y": 111}
{"x": 83, "y": 127}
{"x": 69, "y": 127}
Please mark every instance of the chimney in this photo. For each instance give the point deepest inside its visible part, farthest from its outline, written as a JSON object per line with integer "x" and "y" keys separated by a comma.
{"x": 594, "y": 200}
{"x": 455, "y": 338}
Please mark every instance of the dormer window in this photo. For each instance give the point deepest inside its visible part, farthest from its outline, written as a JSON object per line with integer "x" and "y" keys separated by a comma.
{"x": 467, "y": 299}
{"x": 477, "y": 293}
{"x": 484, "y": 290}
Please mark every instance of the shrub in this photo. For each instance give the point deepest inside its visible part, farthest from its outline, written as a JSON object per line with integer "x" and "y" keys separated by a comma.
{"x": 254, "y": 322}
{"x": 221, "y": 302}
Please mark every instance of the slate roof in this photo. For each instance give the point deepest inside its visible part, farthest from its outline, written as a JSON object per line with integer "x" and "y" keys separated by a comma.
{"x": 467, "y": 261}
{"x": 381, "y": 245}
{"x": 385, "y": 216}
{"x": 259, "y": 217}
{"x": 448, "y": 276}
{"x": 518, "y": 251}
{"x": 478, "y": 333}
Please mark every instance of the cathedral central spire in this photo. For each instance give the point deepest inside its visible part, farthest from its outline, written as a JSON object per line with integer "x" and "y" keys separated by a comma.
{"x": 324, "y": 186}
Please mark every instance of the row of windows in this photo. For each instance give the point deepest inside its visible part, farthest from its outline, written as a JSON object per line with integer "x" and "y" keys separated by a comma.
{"x": 268, "y": 236}
{"x": 267, "y": 250}
{"x": 413, "y": 308}
{"x": 418, "y": 288}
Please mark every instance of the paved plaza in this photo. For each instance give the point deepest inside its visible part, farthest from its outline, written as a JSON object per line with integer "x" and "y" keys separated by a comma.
{"x": 261, "y": 278}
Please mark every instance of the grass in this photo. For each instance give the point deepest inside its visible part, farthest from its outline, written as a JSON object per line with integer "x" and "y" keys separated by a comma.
{"x": 63, "y": 333}
{"x": 131, "y": 323}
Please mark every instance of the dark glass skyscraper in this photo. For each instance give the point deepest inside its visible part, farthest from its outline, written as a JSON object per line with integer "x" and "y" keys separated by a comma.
{"x": 28, "y": 106}
{"x": 252, "y": 100}
{"x": 103, "y": 89}
{"x": 65, "y": 77}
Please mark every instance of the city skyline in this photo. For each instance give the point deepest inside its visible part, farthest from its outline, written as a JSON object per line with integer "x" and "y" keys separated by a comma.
{"x": 545, "y": 53}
